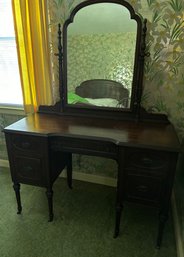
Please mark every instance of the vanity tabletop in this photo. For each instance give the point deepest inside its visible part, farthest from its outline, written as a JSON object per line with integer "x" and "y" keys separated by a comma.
{"x": 128, "y": 133}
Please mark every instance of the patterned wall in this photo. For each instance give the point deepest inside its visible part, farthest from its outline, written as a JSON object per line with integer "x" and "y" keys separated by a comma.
{"x": 100, "y": 56}
{"x": 164, "y": 76}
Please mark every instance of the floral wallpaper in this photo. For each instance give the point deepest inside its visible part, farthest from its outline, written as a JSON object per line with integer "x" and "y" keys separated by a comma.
{"x": 101, "y": 56}
{"x": 164, "y": 76}
{"x": 164, "y": 70}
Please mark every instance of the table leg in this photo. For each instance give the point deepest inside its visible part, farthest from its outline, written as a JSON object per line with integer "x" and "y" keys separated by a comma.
{"x": 16, "y": 187}
{"x": 69, "y": 170}
{"x": 162, "y": 220}
{"x": 120, "y": 191}
{"x": 119, "y": 208}
{"x": 166, "y": 199}
{"x": 49, "y": 194}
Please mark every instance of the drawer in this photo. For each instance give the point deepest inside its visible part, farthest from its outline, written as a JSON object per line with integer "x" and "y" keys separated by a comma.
{"x": 143, "y": 189}
{"x": 85, "y": 146}
{"x": 28, "y": 170}
{"x": 27, "y": 143}
{"x": 153, "y": 162}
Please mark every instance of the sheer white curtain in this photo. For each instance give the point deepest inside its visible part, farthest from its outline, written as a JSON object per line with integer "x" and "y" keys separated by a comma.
{"x": 10, "y": 86}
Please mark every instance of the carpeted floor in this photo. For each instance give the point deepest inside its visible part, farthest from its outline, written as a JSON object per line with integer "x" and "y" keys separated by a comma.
{"x": 83, "y": 224}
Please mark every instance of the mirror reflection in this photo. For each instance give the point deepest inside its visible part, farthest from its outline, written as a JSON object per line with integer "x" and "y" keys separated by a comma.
{"x": 101, "y": 44}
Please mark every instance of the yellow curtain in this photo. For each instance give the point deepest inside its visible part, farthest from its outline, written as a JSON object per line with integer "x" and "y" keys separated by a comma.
{"x": 30, "y": 19}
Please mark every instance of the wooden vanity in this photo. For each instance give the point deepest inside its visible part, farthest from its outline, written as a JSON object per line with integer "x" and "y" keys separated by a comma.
{"x": 144, "y": 145}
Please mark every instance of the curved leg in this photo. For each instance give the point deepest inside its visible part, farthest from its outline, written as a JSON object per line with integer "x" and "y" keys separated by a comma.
{"x": 16, "y": 187}
{"x": 69, "y": 170}
{"x": 49, "y": 194}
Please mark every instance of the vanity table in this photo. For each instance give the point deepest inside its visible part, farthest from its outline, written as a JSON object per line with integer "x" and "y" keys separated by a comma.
{"x": 144, "y": 145}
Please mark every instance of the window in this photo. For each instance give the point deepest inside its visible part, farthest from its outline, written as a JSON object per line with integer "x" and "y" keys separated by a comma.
{"x": 10, "y": 86}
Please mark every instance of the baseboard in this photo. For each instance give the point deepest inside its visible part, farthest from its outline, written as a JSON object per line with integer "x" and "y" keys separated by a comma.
{"x": 92, "y": 178}
{"x": 177, "y": 228}
{"x": 4, "y": 163}
{"x": 80, "y": 176}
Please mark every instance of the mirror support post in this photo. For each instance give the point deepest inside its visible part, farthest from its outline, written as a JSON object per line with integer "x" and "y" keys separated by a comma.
{"x": 60, "y": 60}
{"x": 143, "y": 53}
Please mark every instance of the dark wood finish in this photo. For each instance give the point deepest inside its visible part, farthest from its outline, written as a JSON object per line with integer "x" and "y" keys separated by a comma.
{"x": 41, "y": 145}
{"x": 144, "y": 145}
{"x": 16, "y": 187}
{"x": 32, "y": 162}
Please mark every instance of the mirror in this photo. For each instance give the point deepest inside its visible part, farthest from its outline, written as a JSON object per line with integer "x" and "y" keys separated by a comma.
{"x": 101, "y": 66}
{"x": 101, "y": 45}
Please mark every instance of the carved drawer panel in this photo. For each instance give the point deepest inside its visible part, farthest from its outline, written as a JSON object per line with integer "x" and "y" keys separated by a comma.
{"x": 148, "y": 161}
{"x": 78, "y": 145}
{"x": 28, "y": 170}
{"x": 143, "y": 188}
{"x": 27, "y": 143}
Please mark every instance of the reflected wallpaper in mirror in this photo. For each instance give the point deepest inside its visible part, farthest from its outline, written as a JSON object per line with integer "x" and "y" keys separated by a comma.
{"x": 101, "y": 44}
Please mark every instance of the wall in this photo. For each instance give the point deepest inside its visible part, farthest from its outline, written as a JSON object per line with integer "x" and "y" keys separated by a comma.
{"x": 101, "y": 56}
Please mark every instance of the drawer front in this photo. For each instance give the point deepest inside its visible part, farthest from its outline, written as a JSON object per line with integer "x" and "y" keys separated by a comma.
{"x": 143, "y": 189}
{"x": 153, "y": 162}
{"x": 27, "y": 143}
{"x": 83, "y": 146}
{"x": 28, "y": 170}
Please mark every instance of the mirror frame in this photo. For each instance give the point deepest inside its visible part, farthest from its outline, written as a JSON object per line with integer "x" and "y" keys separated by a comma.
{"x": 106, "y": 112}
